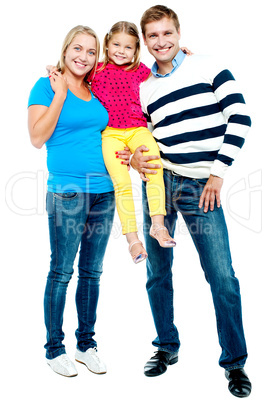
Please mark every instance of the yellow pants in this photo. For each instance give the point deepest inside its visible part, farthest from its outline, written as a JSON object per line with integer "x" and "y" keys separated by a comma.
{"x": 115, "y": 139}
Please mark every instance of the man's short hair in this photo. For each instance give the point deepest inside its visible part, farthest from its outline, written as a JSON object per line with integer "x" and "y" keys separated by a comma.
{"x": 157, "y": 13}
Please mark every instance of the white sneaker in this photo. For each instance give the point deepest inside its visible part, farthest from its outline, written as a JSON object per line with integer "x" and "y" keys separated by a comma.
{"x": 63, "y": 365}
{"x": 91, "y": 360}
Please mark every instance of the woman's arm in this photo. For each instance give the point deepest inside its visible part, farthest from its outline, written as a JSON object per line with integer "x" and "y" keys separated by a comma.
{"x": 42, "y": 120}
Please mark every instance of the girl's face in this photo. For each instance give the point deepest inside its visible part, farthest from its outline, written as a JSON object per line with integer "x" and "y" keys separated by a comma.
{"x": 121, "y": 48}
{"x": 80, "y": 56}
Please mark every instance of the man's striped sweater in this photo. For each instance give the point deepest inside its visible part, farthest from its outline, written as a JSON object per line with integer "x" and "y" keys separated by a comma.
{"x": 199, "y": 117}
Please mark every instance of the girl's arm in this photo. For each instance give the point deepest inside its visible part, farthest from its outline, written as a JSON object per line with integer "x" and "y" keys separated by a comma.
{"x": 42, "y": 120}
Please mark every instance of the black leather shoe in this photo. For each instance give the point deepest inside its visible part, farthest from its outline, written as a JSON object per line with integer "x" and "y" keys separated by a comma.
{"x": 239, "y": 384}
{"x": 158, "y": 364}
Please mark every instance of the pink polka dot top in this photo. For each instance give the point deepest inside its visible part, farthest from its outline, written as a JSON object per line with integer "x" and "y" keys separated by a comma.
{"x": 118, "y": 91}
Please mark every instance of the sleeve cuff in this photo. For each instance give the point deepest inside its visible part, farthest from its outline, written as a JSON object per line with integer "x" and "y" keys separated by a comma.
{"x": 130, "y": 159}
{"x": 218, "y": 169}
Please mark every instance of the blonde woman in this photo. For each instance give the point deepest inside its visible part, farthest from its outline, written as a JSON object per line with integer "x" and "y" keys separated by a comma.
{"x": 66, "y": 117}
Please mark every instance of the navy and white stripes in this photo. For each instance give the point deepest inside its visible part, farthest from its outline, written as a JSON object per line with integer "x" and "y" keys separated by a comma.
{"x": 199, "y": 117}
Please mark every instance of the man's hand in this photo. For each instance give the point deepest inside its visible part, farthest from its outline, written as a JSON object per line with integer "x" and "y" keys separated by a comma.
{"x": 140, "y": 162}
{"x": 211, "y": 193}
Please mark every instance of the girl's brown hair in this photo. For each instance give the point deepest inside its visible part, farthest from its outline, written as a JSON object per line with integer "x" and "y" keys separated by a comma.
{"x": 130, "y": 29}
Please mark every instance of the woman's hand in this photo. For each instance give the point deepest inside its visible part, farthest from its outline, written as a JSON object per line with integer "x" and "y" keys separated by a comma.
{"x": 125, "y": 156}
{"x": 58, "y": 83}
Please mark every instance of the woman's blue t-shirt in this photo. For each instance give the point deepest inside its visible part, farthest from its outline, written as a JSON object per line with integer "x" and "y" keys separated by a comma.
{"x": 74, "y": 151}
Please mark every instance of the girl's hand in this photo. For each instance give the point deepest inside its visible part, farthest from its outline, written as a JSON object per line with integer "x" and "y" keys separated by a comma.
{"x": 59, "y": 84}
{"x": 51, "y": 69}
{"x": 186, "y": 51}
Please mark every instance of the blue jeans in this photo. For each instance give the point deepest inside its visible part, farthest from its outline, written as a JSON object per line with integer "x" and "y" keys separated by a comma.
{"x": 75, "y": 219}
{"x": 210, "y": 236}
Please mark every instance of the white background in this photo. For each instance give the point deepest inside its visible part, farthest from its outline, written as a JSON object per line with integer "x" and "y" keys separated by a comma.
{"x": 31, "y": 36}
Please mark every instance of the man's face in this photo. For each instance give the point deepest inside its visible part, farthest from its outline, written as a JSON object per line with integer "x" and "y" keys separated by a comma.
{"x": 162, "y": 41}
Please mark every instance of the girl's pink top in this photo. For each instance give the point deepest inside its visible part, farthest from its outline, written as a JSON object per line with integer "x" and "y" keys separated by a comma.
{"x": 118, "y": 91}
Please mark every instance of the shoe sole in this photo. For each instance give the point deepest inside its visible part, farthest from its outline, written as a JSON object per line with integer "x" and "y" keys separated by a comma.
{"x": 173, "y": 361}
{"x": 63, "y": 375}
{"x": 140, "y": 258}
{"x": 165, "y": 246}
{"x": 95, "y": 372}
{"x": 67, "y": 376}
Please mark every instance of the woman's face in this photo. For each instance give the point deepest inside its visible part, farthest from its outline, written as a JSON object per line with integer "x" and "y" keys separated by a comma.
{"x": 80, "y": 56}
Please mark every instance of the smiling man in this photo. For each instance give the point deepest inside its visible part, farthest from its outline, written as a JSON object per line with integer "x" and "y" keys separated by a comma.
{"x": 162, "y": 40}
{"x": 200, "y": 121}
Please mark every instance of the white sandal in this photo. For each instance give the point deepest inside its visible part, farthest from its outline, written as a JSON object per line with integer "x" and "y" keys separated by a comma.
{"x": 141, "y": 255}
{"x": 164, "y": 239}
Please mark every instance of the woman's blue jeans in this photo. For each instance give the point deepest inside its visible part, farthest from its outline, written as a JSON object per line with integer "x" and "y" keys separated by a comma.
{"x": 210, "y": 236}
{"x": 75, "y": 219}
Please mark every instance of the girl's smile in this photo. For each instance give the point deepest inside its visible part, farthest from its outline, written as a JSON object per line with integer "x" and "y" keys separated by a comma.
{"x": 121, "y": 48}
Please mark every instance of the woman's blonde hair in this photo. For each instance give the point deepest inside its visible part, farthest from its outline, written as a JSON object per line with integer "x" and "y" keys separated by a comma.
{"x": 79, "y": 29}
{"x": 130, "y": 29}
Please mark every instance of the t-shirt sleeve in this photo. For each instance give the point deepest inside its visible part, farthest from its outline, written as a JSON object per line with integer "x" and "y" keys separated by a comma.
{"x": 145, "y": 72}
{"x": 41, "y": 93}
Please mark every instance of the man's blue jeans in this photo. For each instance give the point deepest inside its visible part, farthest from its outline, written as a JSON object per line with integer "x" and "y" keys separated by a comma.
{"x": 210, "y": 236}
{"x": 75, "y": 219}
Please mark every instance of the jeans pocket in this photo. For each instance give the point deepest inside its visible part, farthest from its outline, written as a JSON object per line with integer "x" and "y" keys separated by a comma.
{"x": 201, "y": 182}
{"x": 66, "y": 196}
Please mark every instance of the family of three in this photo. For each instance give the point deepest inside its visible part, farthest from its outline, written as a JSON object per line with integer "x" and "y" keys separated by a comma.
{"x": 93, "y": 118}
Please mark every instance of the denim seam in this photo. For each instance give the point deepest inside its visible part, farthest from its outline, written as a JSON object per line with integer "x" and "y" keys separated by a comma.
{"x": 234, "y": 367}
{"x": 175, "y": 183}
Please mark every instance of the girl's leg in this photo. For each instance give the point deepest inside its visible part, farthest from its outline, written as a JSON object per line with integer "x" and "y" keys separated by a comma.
{"x": 154, "y": 187}
{"x": 115, "y": 140}
{"x": 112, "y": 142}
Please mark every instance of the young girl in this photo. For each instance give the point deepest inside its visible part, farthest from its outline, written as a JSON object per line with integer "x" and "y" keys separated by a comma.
{"x": 116, "y": 84}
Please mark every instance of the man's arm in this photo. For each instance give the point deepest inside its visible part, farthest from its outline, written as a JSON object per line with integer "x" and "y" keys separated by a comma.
{"x": 238, "y": 122}
{"x": 233, "y": 107}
